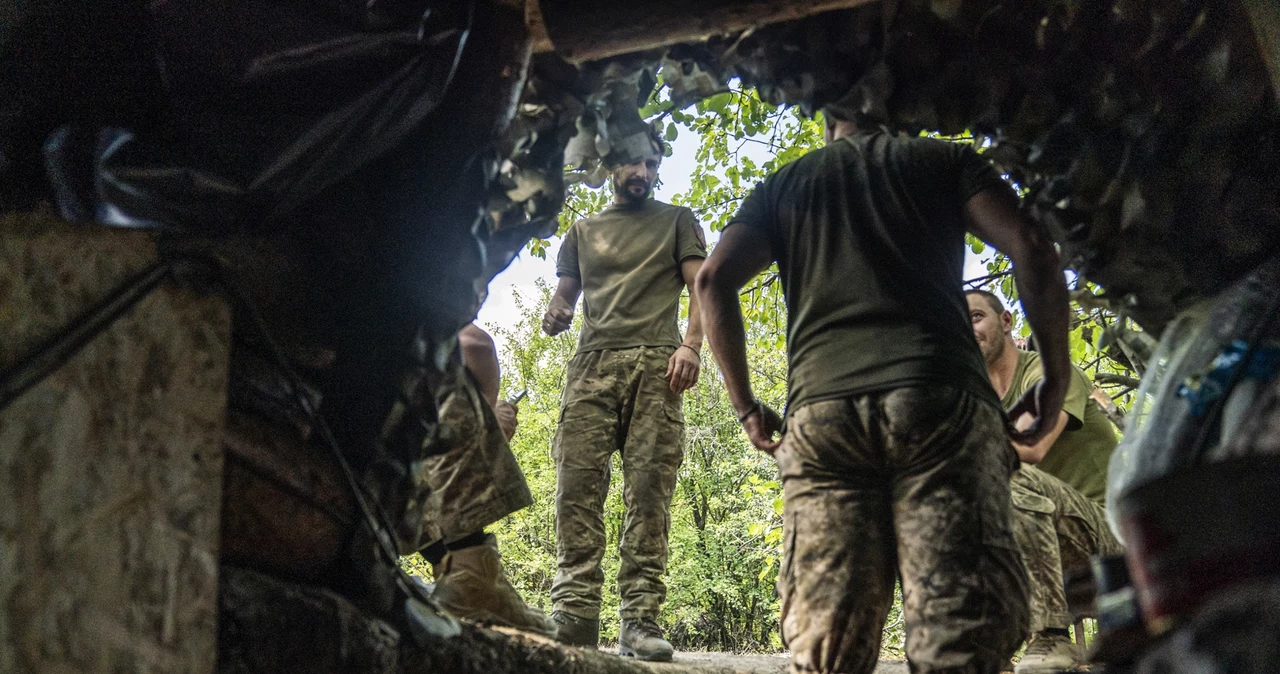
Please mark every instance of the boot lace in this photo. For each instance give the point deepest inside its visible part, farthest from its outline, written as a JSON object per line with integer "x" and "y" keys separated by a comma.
{"x": 646, "y": 627}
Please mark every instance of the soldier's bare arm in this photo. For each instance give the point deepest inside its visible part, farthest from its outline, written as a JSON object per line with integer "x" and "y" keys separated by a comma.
{"x": 686, "y": 362}
{"x": 480, "y": 356}
{"x": 992, "y": 215}
{"x": 742, "y": 253}
{"x": 559, "y": 314}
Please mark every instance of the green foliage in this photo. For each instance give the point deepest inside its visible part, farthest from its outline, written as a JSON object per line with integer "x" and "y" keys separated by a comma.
{"x": 726, "y": 528}
{"x": 726, "y": 516}
{"x": 726, "y": 522}
{"x": 725, "y": 124}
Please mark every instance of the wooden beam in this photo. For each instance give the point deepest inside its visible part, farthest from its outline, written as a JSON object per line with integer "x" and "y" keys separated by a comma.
{"x": 587, "y": 30}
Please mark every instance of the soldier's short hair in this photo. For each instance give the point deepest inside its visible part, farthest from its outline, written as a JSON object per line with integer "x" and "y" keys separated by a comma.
{"x": 992, "y": 299}
{"x": 655, "y": 137}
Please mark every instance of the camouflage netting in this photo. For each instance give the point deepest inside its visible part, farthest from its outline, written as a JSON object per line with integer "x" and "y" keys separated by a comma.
{"x": 362, "y": 169}
{"x": 1146, "y": 133}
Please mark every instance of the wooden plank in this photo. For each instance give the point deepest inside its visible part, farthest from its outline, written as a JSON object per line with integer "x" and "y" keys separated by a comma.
{"x": 110, "y": 467}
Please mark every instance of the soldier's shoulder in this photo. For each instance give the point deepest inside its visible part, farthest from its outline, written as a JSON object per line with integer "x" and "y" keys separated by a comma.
{"x": 472, "y": 335}
{"x": 664, "y": 209}
{"x": 1029, "y": 359}
{"x": 664, "y": 206}
{"x": 805, "y": 165}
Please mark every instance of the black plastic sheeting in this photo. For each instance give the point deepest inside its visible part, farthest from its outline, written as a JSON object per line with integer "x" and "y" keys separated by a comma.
{"x": 336, "y": 155}
{"x": 212, "y": 116}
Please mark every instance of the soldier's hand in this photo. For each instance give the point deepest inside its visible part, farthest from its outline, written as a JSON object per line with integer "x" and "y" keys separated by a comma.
{"x": 507, "y": 417}
{"x": 683, "y": 368}
{"x": 557, "y": 319}
{"x": 1036, "y": 412}
{"x": 761, "y": 426}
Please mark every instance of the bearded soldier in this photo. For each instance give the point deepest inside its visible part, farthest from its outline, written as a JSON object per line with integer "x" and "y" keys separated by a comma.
{"x": 631, "y": 262}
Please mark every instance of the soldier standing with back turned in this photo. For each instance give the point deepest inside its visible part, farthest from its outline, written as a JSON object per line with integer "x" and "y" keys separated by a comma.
{"x": 896, "y": 459}
{"x": 632, "y": 261}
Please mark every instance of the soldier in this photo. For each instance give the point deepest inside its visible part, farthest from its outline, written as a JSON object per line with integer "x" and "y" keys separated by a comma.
{"x": 896, "y": 456}
{"x": 622, "y": 392}
{"x": 475, "y": 483}
{"x": 1058, "y": 491}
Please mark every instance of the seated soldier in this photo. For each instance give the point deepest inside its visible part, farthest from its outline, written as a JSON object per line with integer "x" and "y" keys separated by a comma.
{"x": 1058, "y": 518}
{"x": 475, "y": 483}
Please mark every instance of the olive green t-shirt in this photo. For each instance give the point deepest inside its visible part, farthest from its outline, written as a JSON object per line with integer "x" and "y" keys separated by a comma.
{"x": 628, "y": 259}
{"x": 1080, "y": 455}
{"x": 868, "y": 234}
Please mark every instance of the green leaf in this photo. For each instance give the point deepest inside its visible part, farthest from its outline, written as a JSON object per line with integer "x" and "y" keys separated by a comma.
{"x": 719, "y": 102}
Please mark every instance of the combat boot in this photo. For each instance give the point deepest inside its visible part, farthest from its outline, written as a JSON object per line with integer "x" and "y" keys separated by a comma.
{"x": 1048, "y": 654}
{"x": 576, "y": 631}
{"x": 471, "y": 584}
{"x": 642, "y": 639}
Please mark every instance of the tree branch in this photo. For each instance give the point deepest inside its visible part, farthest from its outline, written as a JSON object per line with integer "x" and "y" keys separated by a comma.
{"x": 983, "y": 280}
{"x": 708, "y": 207}
{"x": 1105, "y": 378}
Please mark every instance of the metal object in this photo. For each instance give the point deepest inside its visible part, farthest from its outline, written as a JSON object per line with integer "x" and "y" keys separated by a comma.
{"x": 1198, "y": 532}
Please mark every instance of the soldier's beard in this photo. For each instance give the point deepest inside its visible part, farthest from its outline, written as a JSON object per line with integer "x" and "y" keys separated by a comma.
{"x": 992, "y": 349}
{"x": 624, "y": 189}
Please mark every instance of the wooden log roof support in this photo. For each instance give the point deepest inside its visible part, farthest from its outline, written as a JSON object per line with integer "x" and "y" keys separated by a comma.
{"x": 588, "y": 30}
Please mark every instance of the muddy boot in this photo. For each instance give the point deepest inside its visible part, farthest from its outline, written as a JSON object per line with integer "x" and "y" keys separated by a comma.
{"x": 470, "y": 584}
{"x": 1048, "y": 653}
{"x": 642, "y": 639}
{"x": 575, "y": 631}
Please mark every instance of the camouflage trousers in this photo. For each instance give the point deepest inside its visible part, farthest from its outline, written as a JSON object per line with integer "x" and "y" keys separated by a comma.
{"x": 1058, "y": 529}
{"x": 477, "y": 480}
{"x": 911, "y": 481}
{"x": 616, "y": 400}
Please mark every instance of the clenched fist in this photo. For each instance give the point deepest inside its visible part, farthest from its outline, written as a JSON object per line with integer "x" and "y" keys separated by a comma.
{"x": 557, "y": 319}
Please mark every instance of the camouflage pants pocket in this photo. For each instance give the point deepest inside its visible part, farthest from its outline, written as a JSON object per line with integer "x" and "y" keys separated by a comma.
{"x": 616, "y": 401}
{"x": 913, "y": 481}
{"x": 583, "y": 445}
{"x": 1059, "y": 530}
{"x": 1034, "y": 525}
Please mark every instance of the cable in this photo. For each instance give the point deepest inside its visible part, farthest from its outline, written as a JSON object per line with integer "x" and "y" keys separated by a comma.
{"x": 61, "y": 347}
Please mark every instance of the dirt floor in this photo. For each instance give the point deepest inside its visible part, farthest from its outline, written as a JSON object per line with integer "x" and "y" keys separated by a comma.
{"x": 728, "y": 663}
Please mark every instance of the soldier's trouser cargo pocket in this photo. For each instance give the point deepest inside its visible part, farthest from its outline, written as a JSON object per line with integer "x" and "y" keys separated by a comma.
{"x": 616, "y": 400}
{"x": 914, "y": 481}
{"x": 1058, "y": 529}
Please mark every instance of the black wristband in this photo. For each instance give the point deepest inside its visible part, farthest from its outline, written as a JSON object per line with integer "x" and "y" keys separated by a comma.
{"x": 756, "y": 406}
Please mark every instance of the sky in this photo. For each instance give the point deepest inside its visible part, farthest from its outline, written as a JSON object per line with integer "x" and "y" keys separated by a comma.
{"x": 500, "y": 309}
